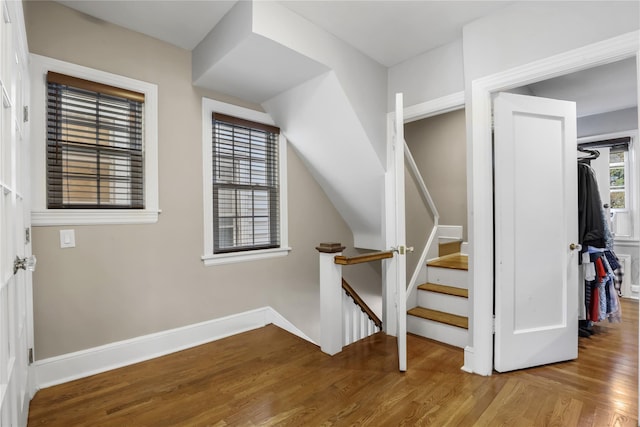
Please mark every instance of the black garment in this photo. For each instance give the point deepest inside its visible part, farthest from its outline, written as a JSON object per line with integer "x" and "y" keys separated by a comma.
{"x": 590, "y": 221}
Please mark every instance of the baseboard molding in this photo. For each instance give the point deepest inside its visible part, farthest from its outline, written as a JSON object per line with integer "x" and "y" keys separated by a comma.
{"x": 84, "y": 363}
{"x": 468, "y": 360}
{"x": 464, "y": 248}
{"x": 450, "y": 231}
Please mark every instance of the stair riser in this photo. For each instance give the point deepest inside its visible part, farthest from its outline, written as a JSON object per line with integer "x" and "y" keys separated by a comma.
{"x": 442, "y": 302}
{"x": 447, "y": 276}
{"x": 441, "y": 332}
{"x": 446, "y": 248}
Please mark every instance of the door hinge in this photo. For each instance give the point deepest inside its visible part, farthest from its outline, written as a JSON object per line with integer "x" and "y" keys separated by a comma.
{"x": 493, "y": 325}
{"x": 25, "y": 114}
{"x": 27, "y": 235}
{"x": 30, "y": 356}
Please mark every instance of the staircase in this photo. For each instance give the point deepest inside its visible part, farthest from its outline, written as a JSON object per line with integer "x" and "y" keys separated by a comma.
{"x": 442, "y": 311}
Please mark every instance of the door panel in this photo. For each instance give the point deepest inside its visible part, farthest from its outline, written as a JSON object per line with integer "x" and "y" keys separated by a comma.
{"x": 400, "y": 233}
{"x": 15, "y": 287}
{"x": 536, "y": 216}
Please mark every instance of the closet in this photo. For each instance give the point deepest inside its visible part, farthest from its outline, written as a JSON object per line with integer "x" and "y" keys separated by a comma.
{"x": 601, "y": 271}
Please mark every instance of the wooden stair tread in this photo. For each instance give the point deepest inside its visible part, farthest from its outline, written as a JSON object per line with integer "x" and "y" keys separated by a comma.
{"x": 444, "y": 289}
{"x": 455, "y": 261}
{"x": 439, "y": 316}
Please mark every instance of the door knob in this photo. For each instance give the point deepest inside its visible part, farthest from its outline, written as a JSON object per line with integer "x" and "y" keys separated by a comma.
{"x": 575, "y": 246}
{"x": 402, "y": 249}
{"x": 27, "y": 263}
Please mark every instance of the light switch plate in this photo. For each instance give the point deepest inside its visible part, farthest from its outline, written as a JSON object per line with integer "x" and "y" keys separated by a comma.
{"x": 67, "y": 239}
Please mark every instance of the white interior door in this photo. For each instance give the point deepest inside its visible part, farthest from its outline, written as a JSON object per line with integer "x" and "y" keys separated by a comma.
{"x": 536, "y": 223}
{"x": 400, "y": 234}
{"x": 15, "y": 286}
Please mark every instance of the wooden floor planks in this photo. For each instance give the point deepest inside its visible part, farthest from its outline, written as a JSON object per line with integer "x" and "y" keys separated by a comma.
{"x": 270, "y": 377}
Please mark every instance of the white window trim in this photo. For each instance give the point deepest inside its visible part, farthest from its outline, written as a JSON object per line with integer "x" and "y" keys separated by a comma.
{"x": 632, "y": 178}
{"x": 209, "y": 106}
{"x": 40, "y": 214}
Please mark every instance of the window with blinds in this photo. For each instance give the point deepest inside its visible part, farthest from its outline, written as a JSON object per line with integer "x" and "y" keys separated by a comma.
{"x": 245, "y": 185}
{"x": 95, "y": 153}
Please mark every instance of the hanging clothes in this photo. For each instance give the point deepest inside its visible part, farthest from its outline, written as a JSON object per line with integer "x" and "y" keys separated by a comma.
{"x": 599, "y": 295}
{"x": 591, "y": 225}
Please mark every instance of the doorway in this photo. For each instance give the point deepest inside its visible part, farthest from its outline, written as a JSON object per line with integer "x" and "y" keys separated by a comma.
{"x": 480, "y": 357}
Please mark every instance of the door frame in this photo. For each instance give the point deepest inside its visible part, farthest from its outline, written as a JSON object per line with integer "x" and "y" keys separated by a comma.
{"x": 479, "y": 355}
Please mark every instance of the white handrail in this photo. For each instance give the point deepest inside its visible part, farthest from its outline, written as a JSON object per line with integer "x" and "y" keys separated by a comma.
{"x": 424, "y": 191}
{"x": 426, "y": 197}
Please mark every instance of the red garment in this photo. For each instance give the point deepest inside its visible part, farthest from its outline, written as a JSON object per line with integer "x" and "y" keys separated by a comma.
{"x": 600, "y": 271}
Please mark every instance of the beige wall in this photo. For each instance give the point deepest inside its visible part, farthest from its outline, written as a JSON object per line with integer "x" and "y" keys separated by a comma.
{"x": 438, "y": 145}
{"x": 418, "y": 221}
{"x": 123, "y": 281}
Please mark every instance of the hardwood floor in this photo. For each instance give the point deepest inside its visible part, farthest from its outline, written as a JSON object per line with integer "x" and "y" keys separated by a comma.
{"x": 270, "y": 377}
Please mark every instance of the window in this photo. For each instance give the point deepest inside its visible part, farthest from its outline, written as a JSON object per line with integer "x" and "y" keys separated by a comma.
{"x": 244, "y": 179}
{"x": 618, "y": 161}
{"x": 94, "y": 145}
{"x": 94, "y": 151}
{"x": 245, "y": 185}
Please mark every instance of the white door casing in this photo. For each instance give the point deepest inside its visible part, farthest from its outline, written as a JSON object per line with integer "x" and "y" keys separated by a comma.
{"x": 479, "y": 355}
{"x": 536, "y": 221}
{"x": 16, "y": 320}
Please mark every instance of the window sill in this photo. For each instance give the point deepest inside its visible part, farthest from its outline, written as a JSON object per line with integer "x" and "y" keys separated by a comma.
{"x": 93, "y": 217}
{"x": 234, "y": 257}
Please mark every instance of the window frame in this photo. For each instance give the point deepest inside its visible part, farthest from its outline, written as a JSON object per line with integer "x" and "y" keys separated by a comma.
{"x": 209, "y": 258}
{"x": 41, "y": 215}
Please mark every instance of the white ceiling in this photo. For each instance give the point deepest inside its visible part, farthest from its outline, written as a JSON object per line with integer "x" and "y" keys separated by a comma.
{"x": 390, "y": 32}
{"x": 387, "y": 31}
{"x": 183, "y": 23}
{"x": 598, "y": 90}
{"x": 393, "y": 31}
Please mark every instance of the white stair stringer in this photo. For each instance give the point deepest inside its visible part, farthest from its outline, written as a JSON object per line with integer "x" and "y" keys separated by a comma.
{"x": 447, "y": 276}
{"x": 437, "y": 331}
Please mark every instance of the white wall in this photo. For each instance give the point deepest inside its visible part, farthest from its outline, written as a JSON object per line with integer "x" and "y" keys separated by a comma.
{"x": 527, "y": 31}
{"x": 436, "y": 73}
{"x": 362, "y": 79}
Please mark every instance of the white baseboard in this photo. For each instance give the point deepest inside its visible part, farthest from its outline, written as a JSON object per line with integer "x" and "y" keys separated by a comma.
{"x": 80, "y": 364}
{"x": 464, "y": 248}
{"x": 450, "y": 231}
{"x": 468, "y": 360}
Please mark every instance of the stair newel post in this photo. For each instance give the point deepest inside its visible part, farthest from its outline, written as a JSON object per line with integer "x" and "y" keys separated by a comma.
{"x": 330, "y": 298}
